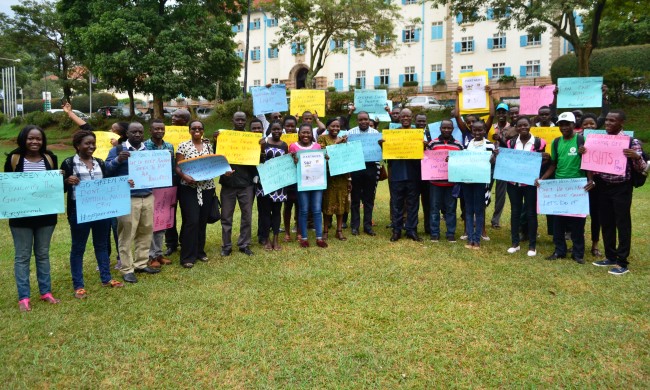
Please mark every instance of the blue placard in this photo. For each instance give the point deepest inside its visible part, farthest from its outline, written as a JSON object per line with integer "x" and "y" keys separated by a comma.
{"x": 345, "y": 157}
{"x": 205, "y": 167}
{"x": 269, "y": 99}
{"x": 579, "y": 92}
{"x": 434, "y": 130}
{"x": 277, "y": 172}
{"x": 469, "y": 166}
{"x": 381, "y": 116}
{"x": 104, "y": 198}
{"x": 28, "y": 194}
{"x": 150, "y": 169}
{"x": 563, "y": 197}
{"x": 369, "y": 145}
{"x": 370, "y": 100}
{"x": 518, "y": 166}
{"x": 312, "y": 170}
{"x": 586, "y": 132}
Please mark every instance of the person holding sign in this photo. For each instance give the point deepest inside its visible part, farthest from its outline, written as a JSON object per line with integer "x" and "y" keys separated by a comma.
{"x": 502, "y": 133}
{"x": 83, "y": 166}
{"x": 194, "y": 197}
{"x": 289, "y": 124}
{"x": 465, "y": 126}
{"x": 309, "y": 118}
{"x": 591, "y": 122}
{"x": 32, "y": 155}
{"x": 335, "y": 198}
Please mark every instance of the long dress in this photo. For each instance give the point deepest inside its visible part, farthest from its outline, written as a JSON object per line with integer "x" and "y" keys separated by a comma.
{"x": 335, "y": 197}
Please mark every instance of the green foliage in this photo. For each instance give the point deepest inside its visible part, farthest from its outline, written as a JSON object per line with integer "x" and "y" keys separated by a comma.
{"x": 623, "y": 23}
{"x": 603, "y": 60}
{"x": 40, "y": 119}
{"x": 226, "y": 110}
{"x": 410, "y": 84}
{"x": 506, "y": 79}
{"x": 31, "y": 105}
{"x": 331, "y": 89}
{"x": 81, "y": 102}
{"x": 2, "y": 118}
{"x": 336, "y": 101}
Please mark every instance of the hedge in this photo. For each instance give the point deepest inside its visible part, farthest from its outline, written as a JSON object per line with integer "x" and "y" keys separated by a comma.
{"x": 636, "y": 57}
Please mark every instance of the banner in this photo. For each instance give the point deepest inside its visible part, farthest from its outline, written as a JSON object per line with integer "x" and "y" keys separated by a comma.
{"x": 579, "y": 92}
{"x": 587, "y": 132}
{"x": 518, "y": 166}
{"x": 103, "y": 143}
{"x": 239, "y": 147}
{"x": 474, "y": 98}
{"x": 548, "y": 134}
{"x": 102, "y": 199}
{"x": 28, "y": 194}
{"x": 403, "y": 145}
{"x": 369, "y": 145}
{"x": 563, "y": 197}
{"x": 531, "y": 98}
{"x": 312, "y": 100}
{"x": 469, "y": 167}
{"x": 177, "y": 134}
{"x": 312, "y": 173}
{"x": 370, "y": 100}
{"x": 277, "y": 173}
{"x": 269, "y": 99}
{"x": 150, "y": 169}
{"x": 345, "y": 157}
{"x": 605, "y": 154}
{"x": 205, "y": 167}
{"x": 434, "y": 165}
{"x": 163, "y": 208}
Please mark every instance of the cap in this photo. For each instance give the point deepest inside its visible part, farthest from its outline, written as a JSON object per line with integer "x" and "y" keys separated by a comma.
{"x": 567, "y": 117}
{"x": 502, "y": 106}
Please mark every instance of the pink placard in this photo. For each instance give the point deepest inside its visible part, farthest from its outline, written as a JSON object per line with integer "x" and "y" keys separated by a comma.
{"x": 434, "y": 165}
{"x": 163, "y": 209}
{"x": 531, "y": 98}
{"x": 605, "y": 154}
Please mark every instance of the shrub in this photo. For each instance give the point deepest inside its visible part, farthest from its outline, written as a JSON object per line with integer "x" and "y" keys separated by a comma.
{"x": 331, "y": 89}
{"x": 410, "y": 84}
{"x": 336, "y": 102}
{"x": 82, "y": 103}
{"x": 603, "y": 60}
{"x": 40, "y": 119}
{"x": 31, "y": 105}
{"x": 2, "y": 118}
{"x": 227, "y": 109}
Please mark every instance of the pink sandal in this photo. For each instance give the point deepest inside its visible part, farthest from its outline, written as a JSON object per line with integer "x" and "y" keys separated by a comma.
{"x": 24, "y": 305}
{"x": 49, "y": 298}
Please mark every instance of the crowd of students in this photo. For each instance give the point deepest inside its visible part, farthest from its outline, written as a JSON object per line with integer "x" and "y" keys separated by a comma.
{"x": 140, "y": 250}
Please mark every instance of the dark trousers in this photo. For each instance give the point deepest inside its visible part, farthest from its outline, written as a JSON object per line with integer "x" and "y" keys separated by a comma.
{"x": 594, "y": 214}
{"x": 171, "y": 234}
{"x": 401, "y": 193}
{"x": 195, "y": 222}
{"x": 425, "y": 188}
{"x": 441, "y": 199}
{"x": 474, "y": 195}
{"x": 229, "y": 197}
{"x": 79, "y": 233}
{"x": 364, "y": 188}
{"x": 270, "y": 216}
{"x": 499, "y": 201}
{"x": 520, "y": 197}
{"x": 576, "y": 225}
{"x": 615, "y": 202}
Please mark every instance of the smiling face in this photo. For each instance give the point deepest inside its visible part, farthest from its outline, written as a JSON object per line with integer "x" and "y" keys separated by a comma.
{"x": 523, "y": 129}
{"x": 420, "y": 121}
{"x": 196, "y": 131}
{"x": 135, "y": 134}
{"x": 566, "y": 128}
{"x": 405, "y": 118}
{"x": 363, "y": 120}
{"x": 86, "y": 147}
{"x": 589, "y": 124}
{"x": 334, "y": 128}
{"x": 157, "y": 131}
{"x": 34, "y": 141}
{"x": 276, "y": 132}
{"x": 502, "y": 115}
{"x": 514, "y": 114}
{"x": 478, "y": 130}
{"x": 446, "y": 128}
{"x": 305, "y": 135}
{"x": 613, "y": 123}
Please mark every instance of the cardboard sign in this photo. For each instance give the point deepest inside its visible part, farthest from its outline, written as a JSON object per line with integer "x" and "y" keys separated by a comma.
{"x": 474, "y": 98}
{"x": 403, "y": 144}
{"x": 370, "y": 100}
{"x": 277, "y": 173}
{"x": 239, "y": 147}
{"x": 312, "y": 174}
{"x": 563, "y": 197}
{"x": 150, "y": 169}
{"x": 548, "y": 134}
{"x": 163, "y": 208}
{"x": 271, "y": 99}
{"x": 177, "y": 134}
{"x": 605, "y": 154}
{"x": 580, "y": 92}
{"x": 103, "y": 143}
{"x": 369, "y": 145}
{"x": 28, "y": 194}
{"x": 469, "y": 166}
{"x": 345, "y": 157}
{"x": 205, "y": 167}
{"x": 517, "y": 166}
{"x": 434, "y": 165}
{"x": 531, "y": 98}
{"x": 312, "y": 100}
{"x": 102, "y": 199}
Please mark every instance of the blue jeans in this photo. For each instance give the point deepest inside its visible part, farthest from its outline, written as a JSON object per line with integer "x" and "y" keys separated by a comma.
{"x": 24, "y": 239}
{"x": 441, "y": 198}
{"x": 310, "y": 201}
{"x": 474, "y": 195}
{"x": 79, "y": 233}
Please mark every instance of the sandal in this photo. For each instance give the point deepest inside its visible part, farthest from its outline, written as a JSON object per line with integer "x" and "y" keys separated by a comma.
{"x": 339, "y": 235}
{"x": 80, "y": 293}
{"x": 287, "y": 237}
{"x": 113, "y": 283}
{"x": 24, "y": 305}
{"x": 596, "y": 253}
{"x": 49, "y": 298}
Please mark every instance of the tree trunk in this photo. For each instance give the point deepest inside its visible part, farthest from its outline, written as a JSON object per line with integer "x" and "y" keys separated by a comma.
{"x": 158, "y": 107}
{"x": 583, "y": 53}
{"x": 131, "y": 103}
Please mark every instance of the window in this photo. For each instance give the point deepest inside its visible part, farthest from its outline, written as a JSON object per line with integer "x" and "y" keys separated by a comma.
{"x": 256, "y": 54}
{"x": 410, "y": 35}
{"x": 384, "y": 76}
{"x": 530, "y": 40}
{"x": 240, "y": 53}
{"x": 271, "y": 22}
{"x": 436, "y": 68}
{"x": 338, "y": 76}
{"x": 407, "y": 2}
{"x": 437, "y": 73}
{"x": 409, "y": 73}
{"x": 297, "y": 48}
{"x": 436, "y": 30}
{"x": 272, "y": 52}
{"x": 531, "y": 69}
{"x": 383, "y": 40}
{"x": 238, "y": 28}
{"x": 466, "y": 68}
{"x": 498, "y": 41}
{"x": 275, "y": 81}
{"x": 359, "y": 44}
{"x": 336, "y": 44}
{"x": 467, "y": 45}
{"x": 360, "y": 81}
{"x": 498, "y": 70}
{"x": 255, "y": 24}
{"x": 257, "y": 83}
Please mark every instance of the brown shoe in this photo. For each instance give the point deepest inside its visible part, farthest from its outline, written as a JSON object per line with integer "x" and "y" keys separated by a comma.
{"x": 154, "y": 263}
{"x": 163, "y": 260}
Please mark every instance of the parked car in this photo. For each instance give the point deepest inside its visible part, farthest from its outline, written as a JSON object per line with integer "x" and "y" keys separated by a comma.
{"x": 167, "y": 112}
{"x": 204, "y": 112}
{"x": 77, "y": 112}
{"x": 110, "y": 111}
{"x": 426, "y": 102}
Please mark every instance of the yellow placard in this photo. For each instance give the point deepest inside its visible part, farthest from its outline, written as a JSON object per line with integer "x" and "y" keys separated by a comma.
{"x": 289, "y": 138}
{"x": 103, "y": 143}
{"x": 474, "y": 99}
{"x": 402, "y": 144}
{"x": 177, "y": 134}
{"x": 307, "y": 100}
{"x": 239, "y": 147}
{"x": 547, "y": 133}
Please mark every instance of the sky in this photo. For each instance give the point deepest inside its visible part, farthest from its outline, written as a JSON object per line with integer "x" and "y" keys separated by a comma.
{"x": 5, "y": 6}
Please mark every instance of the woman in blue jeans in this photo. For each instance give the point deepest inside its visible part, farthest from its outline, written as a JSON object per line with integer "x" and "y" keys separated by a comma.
{"x": 82, "y": 167}
{"x": 27, "y": 232}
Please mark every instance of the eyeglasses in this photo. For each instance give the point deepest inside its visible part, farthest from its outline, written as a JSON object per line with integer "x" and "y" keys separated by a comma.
{"x": 196, "y": 129}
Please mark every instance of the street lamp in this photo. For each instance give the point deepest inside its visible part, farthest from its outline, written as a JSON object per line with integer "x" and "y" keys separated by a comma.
{"x": 10, "y": 59}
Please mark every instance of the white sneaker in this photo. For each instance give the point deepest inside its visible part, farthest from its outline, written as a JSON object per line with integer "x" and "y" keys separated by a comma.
{"x": 463, "y": 237}
{"x": 514, "y": 249}
{"x": 532, "y": 252}
{"x": 485, "y": 238}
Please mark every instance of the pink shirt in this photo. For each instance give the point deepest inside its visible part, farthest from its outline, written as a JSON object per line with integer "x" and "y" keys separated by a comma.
{"x": 295, "y": 147}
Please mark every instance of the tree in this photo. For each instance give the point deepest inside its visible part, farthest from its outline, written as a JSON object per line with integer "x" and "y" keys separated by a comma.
{"x": 313, "y": 25}
{"x": 623, "y": 23}
{"x": 168, "y": 49}
{"x": 536, "y": 16}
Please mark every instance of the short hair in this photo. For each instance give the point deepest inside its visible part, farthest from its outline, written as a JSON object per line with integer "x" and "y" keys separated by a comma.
{"x": 123, "y": 127}
{"x": 78, "y": 136}
{"x": 620, "y": 113}
{"x": 363, "y": 112}
{"x": 21, "y": 140}
{"x": 523, "y": 118}
{"x": 289, "y": 118}
{"x": 590, "y": 115}
{"x": 157, "y": 121}
{"x": 189, "y": 124}
{"x": 544, "y": 108}
{"x": 332, "y": 120}
{"x": 256, "y": 120}
{"x": 481, "y": 121}
{"x": 447, "y": 120}
{"x": 135, "y": 123}
{"x": 420, "y": 114}
{"x": 305, "y": 125}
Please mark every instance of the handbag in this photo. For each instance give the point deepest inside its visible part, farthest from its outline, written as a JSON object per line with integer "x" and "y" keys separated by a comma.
{"x": 215, "y": 209}
{"x": 383, "y": 175}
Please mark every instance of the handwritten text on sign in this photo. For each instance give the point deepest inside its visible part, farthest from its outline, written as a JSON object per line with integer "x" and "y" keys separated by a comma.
{"x": 289, "y": 138}
{"x": 311, "y": 170}
{"x": 103, "y": 143}
{"x": 531, "y": 98}
{"x": 518, "y": 166}
{"x": 370, "y": 100}
{"x": 588, "y": 132}
{"x": 605, "y": 154}
{"x": 548, "y": 134}
{"x": 239, "y": 147}
{"x": 563, "y": 197}
{"x": 177, "y": 134}
{"x": 163, "y": 208}
{"x": 277, "y": 173}
{"x": 474, "y": 98}
{"x": 205, "y": 167}
{"x": 577, "y": 92}
{"x": 267, "y": 100}
{"x": 308, "y": 100}
{"x": 102, "y": 199}
{"x": 434, "y": 165}
{"x": 150, "y": 169}
{"x": 469, "y": 167}
{"x": 403, "y": 144}
{"x": 28, "y": 194}
{"x": 369, "y": 144}
{"x": 345, "y": 157}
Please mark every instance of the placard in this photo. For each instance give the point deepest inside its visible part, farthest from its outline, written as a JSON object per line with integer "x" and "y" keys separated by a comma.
{"x": 28, "y": 194}
{"x": 205, "y": 167}
{"x": 548, "y": 134}
{"x": 579, "y": 92}
{"x": 312, "y": 100}
{"x": 164, "y": 200}
{"x": 345, "y": 157}
{"x": 269, "y": 99}
{"x": 605, "y": 154}
{"x": 474, "y": 97}
{"x": 103, "y": 198}
{"x": 177, "y": 134}
{"x": 587, "y": 132}
{"x": 517, "y": 166}
{"x": 403, "y": 145}
{"x": 531, "y": 98}
{"x": 239, "y": 147}
{"x": 370, "y": 100}
{"x": 150, "y": 169}
{"x": 434, "y": 165}
{"x": 312, "y": 173}
{"x": 103, "y": 143}
{"x": 289, "y": 138}
{"x": 469, "y": 166}
{"x": 434, "y": 131}
{"x": 369, "y": 145}
{"x": 277, "y": 173}
{"x": 563, "y": 197}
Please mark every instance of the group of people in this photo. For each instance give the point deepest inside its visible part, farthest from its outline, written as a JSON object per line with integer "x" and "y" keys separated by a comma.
{"x": 140, "y": 249}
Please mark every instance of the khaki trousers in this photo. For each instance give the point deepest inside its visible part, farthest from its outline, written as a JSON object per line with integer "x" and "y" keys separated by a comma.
{"x": 135, "y": 229}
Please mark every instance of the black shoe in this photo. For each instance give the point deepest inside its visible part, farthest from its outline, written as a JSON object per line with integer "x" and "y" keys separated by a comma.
{"x": 147, "y": 270}
{"x": 396, "y": 236}
{"x": 555, "y": 256}
{"x": 246, "y": 250}
{"x": 370, "y": 232}
{"x": 170, "y": 250}
{"x": 355, "y": 232}
{"x": 578, "y": 260}
{"x": 344, "y": 225}
{"x": 187, "y": 265}
{"x": 225, "y": 252}
{"x": 414, "y": 236}
{"x": 130, "y": 278}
